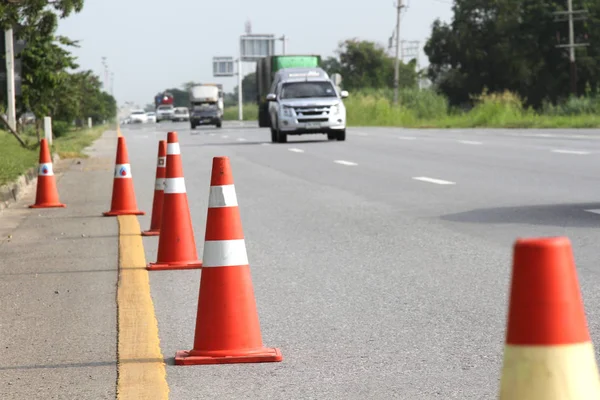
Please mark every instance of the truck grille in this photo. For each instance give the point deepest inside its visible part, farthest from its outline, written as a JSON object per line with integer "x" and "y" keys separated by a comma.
{"x": 312, "y": 111}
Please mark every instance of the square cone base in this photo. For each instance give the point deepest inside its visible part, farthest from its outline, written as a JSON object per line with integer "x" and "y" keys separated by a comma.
{"x": 263, "y": 355}
{"x": 151, "y": 232}
{"x": 53, "y": 205}
{"x": 174, "y": 266}
{"x": 127, "y": 212}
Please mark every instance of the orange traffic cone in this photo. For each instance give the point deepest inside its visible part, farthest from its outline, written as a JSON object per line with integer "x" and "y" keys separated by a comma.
{"x": 47, "y": 193}
{"x": 123, "y": 195}
{"x": 159, "y": 190}
{"x": 549, "y": 354}
{"x": 176, "y": 243}
{"x": 227, "y": 326}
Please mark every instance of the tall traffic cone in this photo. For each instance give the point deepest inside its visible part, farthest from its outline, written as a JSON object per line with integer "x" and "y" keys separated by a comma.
{"x": 47, "y": 193}
{"x": 549, "y": 354}
{"x": 159, "y": 190}
{"x": 227, "y": 326}
{"x": 176, "y": 243}
{"x": 123, "y": 195}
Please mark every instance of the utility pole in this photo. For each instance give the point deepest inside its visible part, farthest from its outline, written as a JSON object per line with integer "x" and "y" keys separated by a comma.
{"x": 10, "y": 79}
{"x": 571, "y": 16}
{"x": 397, "y": 65}
{"x": 284, "y": 40}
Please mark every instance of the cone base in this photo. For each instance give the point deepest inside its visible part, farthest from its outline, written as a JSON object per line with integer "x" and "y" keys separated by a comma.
{"x": 174, "y": 266}
{"x": 123, "y": 212}
{"x": 52, "y": 205}
{"x": 263, "y": 355}
{"x": 151, "y": 232}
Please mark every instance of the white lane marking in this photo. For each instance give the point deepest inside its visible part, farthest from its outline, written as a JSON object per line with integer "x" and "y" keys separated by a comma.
{"x": 241, "y": 139}
{"x": 224, "y": 136}
{"x": 265, "y": 144}
{"x": 360, "y": 134}
{"x": 571, "y": 152}
{"x": 406, "y": 137}
{"x": 469, "y": 142}
{"x": 294, "y": 150}
{"x": 342, "y": 162}
{"x": 213, "y": 134}
{"x": 594, "y": 211}
{"x": 433, "y": 180}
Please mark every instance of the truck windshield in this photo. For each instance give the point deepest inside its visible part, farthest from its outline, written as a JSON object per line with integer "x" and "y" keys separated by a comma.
{"x": 303, "y": 90}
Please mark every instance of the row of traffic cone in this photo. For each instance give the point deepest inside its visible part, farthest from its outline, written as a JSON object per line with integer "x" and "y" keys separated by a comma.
{"x": 548, "y": 354}
{"x": 227, "y": 325}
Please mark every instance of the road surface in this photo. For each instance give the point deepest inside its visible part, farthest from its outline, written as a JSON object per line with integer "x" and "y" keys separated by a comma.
{"x": 380, "y": 264}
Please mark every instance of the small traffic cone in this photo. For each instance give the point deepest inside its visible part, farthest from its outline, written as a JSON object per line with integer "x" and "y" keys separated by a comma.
{"x": 549, "y": 354}
{"x": 159, "y": 190}
{"x": 47, "y": 193}
{"x": 123, "y": 195}
{"x": 176, "y": 243}
{"x": 227, "y": 326}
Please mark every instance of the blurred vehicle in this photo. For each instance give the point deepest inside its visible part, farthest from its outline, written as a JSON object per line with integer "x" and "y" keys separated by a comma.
{"x": 138, "y": 117}
{"x": 181, "y": 114}
{"x": 163, "y": 98}
{"x": 165, "y": 112}
{"x": 266, "y": 68}
{"x": 151, "y": 116}
{"x": 305, "y": 101}
{"x": 207, "y": 105}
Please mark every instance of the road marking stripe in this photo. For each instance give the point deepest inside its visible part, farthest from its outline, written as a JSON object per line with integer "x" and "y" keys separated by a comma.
{"x": 224, "y": 136}
{"x": 433, "y": 180}
{"x": 294, "y": 150}
{"x": 594, "y": 211}
{"x": 342, "y": 162}
{"x": 265, "y": 144}
{"x": 241, "y": 139}
{"x": 406, "y": 137}
{"x": 571, "y": 152}
{"x": 469, "y": 142}
{"x": 141, "y": 367}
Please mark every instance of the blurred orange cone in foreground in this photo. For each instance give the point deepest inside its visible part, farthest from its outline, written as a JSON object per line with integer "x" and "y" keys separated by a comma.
{"x": 159, "y": 190}
{"x": 227, "y": 326}
{"x": 123, "y": 195}
{"x": 47, "y": 193}
{"x": 549, "y": 354}
{"x": 176, "y": 243}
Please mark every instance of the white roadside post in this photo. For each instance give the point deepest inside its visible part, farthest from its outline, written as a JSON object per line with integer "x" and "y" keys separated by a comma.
{"x": 48, "y": 129}
{"x": 90, "y": 122}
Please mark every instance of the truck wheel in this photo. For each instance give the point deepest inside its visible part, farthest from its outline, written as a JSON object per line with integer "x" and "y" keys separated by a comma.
{"x": 331, "y": 136}
{"x": 219, "y": 124}
{"x": 193, "y": 126}
{"x": 273, "y": 135}
{"x": 282, "y": 136}
{"x": 341, "y": 135}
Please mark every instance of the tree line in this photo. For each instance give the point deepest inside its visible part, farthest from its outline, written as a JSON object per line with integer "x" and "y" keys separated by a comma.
{"x": 50, "y": 84}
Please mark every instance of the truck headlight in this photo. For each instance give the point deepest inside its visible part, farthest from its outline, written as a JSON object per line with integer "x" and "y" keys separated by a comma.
{"x": 287, "y": 112}
{"x": 335, "y": 109}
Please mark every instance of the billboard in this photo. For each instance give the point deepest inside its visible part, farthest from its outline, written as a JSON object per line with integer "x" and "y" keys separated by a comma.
{"x": 254, "y": 47}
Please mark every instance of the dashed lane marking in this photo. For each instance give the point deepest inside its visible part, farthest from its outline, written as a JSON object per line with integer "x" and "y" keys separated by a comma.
{"x": 578, "y": 152}
{"x": 469, "y": 142}
{"x": 343, "y": 162}
{"x": 241, "y": 139}
{"x": 224, "y": 136}
{"x": 295, "y": 150}
{"x": 406, "y": 137}
{"x": 433, "y": 180}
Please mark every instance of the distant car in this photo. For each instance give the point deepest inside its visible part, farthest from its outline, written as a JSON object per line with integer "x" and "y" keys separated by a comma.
{"x": 181, "y": 114}
{"x": 151, "y": 116}
{"x": 165, "y": 112}
{"x": 138, "y": 117}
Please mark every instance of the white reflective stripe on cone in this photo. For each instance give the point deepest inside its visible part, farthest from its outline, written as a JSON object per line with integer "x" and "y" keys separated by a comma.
{"x": 123, "y": 171}
{"x": 174, "y": 185}
{"x": 162, "y": 162}
{"x": 159, "y": 184}
{"x": 222, "y": 196}
{"x": 224, "y": 253}
{"x": 173, "y": 149}
{"x": 45, "y": 169}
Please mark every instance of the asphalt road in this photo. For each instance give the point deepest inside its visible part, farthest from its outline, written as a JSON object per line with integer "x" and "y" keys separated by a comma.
{"x": 380, "y": 264}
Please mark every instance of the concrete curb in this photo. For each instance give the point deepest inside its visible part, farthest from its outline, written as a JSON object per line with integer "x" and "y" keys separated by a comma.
{"x": 12, "y": 192}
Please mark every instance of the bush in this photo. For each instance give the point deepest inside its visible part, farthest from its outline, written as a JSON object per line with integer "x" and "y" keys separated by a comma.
{"x": 60, "y": 128}
{"x": 573, "y": 106}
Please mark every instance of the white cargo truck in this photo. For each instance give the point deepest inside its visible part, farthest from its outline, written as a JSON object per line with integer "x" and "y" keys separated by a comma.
{"x": 206, "y": 105}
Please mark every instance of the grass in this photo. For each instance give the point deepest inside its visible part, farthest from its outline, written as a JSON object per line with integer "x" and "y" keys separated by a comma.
{"x": 427, "y": 109}
{"x": 16, "y": 160}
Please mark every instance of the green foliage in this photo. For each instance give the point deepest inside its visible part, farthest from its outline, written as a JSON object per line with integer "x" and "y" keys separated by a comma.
{"x": 60, "y": 128}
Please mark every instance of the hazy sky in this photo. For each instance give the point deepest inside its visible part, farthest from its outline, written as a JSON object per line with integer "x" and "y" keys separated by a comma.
{"x": 151, "y": 45}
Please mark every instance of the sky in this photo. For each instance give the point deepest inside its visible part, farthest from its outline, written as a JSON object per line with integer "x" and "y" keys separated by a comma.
{"x": 152, "y": 45}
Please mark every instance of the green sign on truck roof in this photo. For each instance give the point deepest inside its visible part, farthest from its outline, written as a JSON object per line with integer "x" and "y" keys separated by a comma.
{"x": 281, "y": 62}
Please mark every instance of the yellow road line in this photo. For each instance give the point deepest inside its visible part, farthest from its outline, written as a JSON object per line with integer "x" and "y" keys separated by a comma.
{"x": 141, "y": 367}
